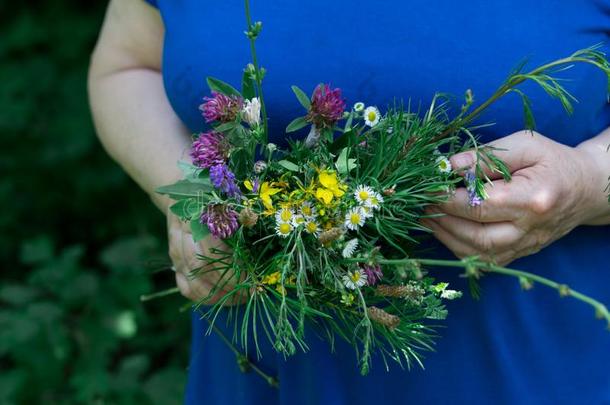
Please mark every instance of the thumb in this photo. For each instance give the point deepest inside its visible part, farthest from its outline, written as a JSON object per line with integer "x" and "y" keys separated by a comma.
{"x": 519, "y": 150}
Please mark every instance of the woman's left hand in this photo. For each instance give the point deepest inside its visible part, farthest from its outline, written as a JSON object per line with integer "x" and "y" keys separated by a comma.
{"x": 554, "y": 189}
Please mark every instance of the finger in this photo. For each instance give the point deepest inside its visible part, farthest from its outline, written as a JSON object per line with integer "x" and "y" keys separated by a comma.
{"x": 492, "y": 238}
{"x": 518, "y": 150}
{"x": 205, "y": 282}
{"x": 459, "y": 248}
{"x": 505, "y": 202}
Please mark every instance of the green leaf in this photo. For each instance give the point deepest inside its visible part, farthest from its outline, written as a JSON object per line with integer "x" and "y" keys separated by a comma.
{"x": 347, "y": 139}
{"x": 186, "y": 189}
{"x": 297, "y": 124}
{"x": 189, "y": 171}
{"x": 247, "y": 86}
{"x": 530, "y": 122}
{"x": 221, "y": 87}
{"x": 199, "y": 230}
{"x": 227, "y": 126}
{"x": 344, "y": 164}
{"x": 302, "y": 97}
{"x": 288, "y": 165}
{"x": 187, "y": 208}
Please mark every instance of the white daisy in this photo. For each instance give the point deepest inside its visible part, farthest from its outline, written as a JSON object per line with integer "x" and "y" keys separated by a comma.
{"x": 284, "y": 215}
{"x": 443, "y": 164}
{"x": 350, "y": 248}
{"x": 283, "y": 229}
{"x": 363, "y": 194}
{"x": 308, "y": 210}
{"x": 298, "y": 220}
{"x": 354, "y": 279}
{"x": 371, "y": 116}
{"x": 312, "y": 227}
{"x": 359, "y": 106}
{"x": 354, "y": 218}
{"x": 375, "y": 201}
{"x": 367, "y": 210}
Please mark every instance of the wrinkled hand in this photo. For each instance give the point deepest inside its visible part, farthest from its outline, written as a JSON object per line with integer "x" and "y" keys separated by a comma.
{"x": 183, "y": 252}
{"x": 554, "y": 189}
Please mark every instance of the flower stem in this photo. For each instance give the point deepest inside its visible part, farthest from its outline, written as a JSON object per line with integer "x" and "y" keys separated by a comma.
{"x": 243, "y": 362}
{"x": 601, "y": 311}
{"x": 159, "y": 294}
{"x": 513, "y": 81}
{"x": 257, "y": 71}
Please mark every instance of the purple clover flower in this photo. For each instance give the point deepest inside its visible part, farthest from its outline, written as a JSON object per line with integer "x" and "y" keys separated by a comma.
{"x": 220, "y": 219}
{"x": 373, "y": 273}
{"x": 327, "y": 107}
{"x": 209, "y": 149}
{"x": 220, "y": 107}
{"x": 222, "y": 178}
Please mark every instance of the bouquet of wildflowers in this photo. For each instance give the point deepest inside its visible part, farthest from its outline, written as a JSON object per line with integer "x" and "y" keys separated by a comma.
{"x": 322, "y": 234}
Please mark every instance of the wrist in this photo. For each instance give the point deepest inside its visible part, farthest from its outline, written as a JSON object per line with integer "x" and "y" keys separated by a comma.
{"x": 162, "y": 202}
{"x": 596, "y": 160}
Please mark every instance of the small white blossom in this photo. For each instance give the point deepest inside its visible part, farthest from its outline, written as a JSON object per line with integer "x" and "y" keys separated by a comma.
{"x": 451, "y": 294}
{"x": 251, "y": 111}
{"x": 285, "y": 215}
{"x": 350, "y": 248}
{"x": 298, "y": 220}
{"x": 375, "y": 201}
{"x": 312, "y": 227}
{"x": 359, "y": 106}
{"x": 443, "y": 164}
{"x": 367, "y": 210}
{"x": 354, "y": 279}
{"x": 354, "y": 218}
{"x": 363, "y": 194}
{"x": 308, "y": 210}
{"x": 283, "y": 229}
{"x": 371, "y": 116}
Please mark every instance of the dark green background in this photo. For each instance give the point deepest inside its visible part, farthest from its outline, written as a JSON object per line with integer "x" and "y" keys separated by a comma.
{"x": 79, "y": 242}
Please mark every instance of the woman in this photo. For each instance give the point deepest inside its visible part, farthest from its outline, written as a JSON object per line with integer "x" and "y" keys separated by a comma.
{"x": 147, "y": 81}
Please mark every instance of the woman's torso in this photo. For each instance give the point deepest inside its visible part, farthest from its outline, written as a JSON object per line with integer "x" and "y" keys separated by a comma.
{"x": 510, "y": 347}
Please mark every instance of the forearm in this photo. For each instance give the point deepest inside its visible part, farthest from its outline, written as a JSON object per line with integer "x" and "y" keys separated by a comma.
{"x": 132, "y": 115}
{"x": 597, "y": 152}
{"x": 138, "y": 127}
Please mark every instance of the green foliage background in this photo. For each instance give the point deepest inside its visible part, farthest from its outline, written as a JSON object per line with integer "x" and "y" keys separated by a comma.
{"x": 79, "y": 242}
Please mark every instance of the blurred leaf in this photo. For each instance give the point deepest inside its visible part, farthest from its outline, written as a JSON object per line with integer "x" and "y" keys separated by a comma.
{"x": 36, "y": 250}
{"x": 129, "y": 254}
{"x": 16, "y": 294}
{"x": 166, "y": 387}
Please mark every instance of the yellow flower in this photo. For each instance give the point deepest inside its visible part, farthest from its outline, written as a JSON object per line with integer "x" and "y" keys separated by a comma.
{"x": 325, "y": 195}
{"x": 271, "y": 279}
{"x": 328, "y": 178}
{"x": 331, "y": 187}
{"x": 265, "y": 193}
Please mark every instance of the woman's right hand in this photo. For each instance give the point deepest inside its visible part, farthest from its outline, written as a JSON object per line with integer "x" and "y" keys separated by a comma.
{"x": 184, "y": 253}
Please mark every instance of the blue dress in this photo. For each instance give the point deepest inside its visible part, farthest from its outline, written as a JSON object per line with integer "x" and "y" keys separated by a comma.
{"x": 509, "y": 347}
